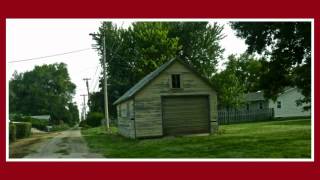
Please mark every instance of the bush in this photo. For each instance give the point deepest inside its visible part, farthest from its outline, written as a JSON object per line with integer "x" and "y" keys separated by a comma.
{"x": 60, "y": 127}
{"x": 12, "y": 132}
{"x": 36, "y": 123}
{"x": 39, "y": 124}
{"x": 84, "y": 124}
{"x": 23, "y": 129}
{"x": 94, "y": 119}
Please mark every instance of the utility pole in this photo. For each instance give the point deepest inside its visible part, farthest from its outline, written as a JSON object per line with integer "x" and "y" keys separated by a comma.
{"x": 87, "y": 84}
{"x": 106, "y": 112}
{"x": 84, "y": 105}
{"x": 82, "y": 114}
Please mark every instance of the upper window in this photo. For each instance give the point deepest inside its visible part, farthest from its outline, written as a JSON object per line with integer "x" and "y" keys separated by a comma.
{"x": 260, "y": 105}
{"x": 278, "y": 104}
{"x": 123, "y": 110}
{"x": 175, "y": 81}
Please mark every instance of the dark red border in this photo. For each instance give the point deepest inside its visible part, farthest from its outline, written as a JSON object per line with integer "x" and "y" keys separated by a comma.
{"x": 160, "y": 9}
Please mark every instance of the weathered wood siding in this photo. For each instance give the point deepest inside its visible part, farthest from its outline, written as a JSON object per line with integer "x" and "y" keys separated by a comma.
{"x": 148, "y": 113}
{"x": 126, "y": 118}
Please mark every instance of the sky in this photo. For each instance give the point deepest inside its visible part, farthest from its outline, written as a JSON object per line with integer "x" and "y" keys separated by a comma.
{"x": 32, "y": 38}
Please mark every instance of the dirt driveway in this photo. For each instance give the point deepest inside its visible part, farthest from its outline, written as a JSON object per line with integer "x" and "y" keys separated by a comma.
{"x": 66, "y": 144}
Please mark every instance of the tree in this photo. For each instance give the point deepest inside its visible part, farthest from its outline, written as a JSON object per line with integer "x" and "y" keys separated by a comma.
{"x": 287, "y": 48}
{"x": 135, "y": 52}
{"x": 131, "y": 54}
{"x": 229, "y": 87}
{"x": 96, "y": 102}
{"x": 199, "y": 42}
{"x": 248, "y": 69}
{"x": 47, "y": 89}
{"x": 240, "y": 76}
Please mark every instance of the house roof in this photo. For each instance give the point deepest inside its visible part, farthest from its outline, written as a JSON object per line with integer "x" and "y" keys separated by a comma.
{"x": 258, "y": 96}
{"x": 42, "y": 117}
{"x": 148, "y": 78}
{"x": 254, "y": 96}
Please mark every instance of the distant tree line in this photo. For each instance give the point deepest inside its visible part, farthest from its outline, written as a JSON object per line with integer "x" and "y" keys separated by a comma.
{"x": 46, "y": 89}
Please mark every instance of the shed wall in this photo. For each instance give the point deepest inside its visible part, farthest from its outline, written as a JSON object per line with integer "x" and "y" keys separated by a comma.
{"x": 148, "y": 113}
{"x": 126, "y": 118}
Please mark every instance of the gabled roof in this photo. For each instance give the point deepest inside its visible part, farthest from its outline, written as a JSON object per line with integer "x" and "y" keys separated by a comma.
{"x": 258, "y": 96}
{"x": 254, "y": 96}
{"x": 148, "y": 78}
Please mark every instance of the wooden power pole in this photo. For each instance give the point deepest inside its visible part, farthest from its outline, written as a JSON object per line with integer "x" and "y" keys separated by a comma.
{"x": 87, "y": 84}
{"x": 84, "y": 105}
{"x": 106, "y": 111}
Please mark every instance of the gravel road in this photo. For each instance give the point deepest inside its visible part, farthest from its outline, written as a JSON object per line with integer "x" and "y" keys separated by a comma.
{"x": 67, "y": 144}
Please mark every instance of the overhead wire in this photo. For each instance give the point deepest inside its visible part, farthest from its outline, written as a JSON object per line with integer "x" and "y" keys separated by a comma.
{"x": 48, "y": 56}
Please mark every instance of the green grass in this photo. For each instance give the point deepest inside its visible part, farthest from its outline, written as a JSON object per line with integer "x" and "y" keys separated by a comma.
{"x": 274, "y": 139}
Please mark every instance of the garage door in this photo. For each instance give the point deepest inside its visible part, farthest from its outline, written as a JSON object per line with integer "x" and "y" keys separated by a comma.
{"x": 185, "y": 115}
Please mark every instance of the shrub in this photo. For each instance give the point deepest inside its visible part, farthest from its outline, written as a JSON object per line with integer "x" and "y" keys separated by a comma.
{"x": 94, "y": 119}
{"x": 36, "y": 123}
{"x": 23, "y": 129}
{"x": 39, "y": 124}
{"x": 84, "y": 124}
{"x": 60, "y": 127}
{"x": 12, "y": 132}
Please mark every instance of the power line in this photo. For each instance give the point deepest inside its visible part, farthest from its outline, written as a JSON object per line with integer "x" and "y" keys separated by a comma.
{"x": 94, "y": 79}
{"x": 87, "y": 84}
{"x": 48, "y": 56}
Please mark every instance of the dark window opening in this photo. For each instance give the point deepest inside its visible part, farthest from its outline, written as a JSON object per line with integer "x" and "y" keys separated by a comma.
{"x": 247, "y": 107}
{"x": 260, "y": 105}
{"x": 279, "y": 104}
{"x": 175, "y": 78}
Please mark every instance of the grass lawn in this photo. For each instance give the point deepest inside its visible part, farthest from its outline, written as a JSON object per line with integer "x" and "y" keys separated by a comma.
{"x": 273, "y": 139}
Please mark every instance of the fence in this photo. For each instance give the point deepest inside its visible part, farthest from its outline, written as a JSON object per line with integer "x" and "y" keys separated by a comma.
{"x": 238, "y": 116}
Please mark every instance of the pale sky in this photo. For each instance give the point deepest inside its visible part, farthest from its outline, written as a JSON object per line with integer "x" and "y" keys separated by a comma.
{"x": 31, "y": 38}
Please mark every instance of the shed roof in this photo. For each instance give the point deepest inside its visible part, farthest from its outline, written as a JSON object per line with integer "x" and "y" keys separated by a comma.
{"x": 148, "y": 78}
{"x": 42, "y": 117}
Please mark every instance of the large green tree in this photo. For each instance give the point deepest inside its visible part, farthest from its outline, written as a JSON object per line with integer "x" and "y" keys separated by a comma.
{"x": 131, "y": 54}
{"x": 241, "y": 75}
{"x": 287, "y": 49}
{"x": 134, "y": 52}
{"x": 47, "y": 89}
{"x": 248, "y": 69}
{"x": 199, "y": 44}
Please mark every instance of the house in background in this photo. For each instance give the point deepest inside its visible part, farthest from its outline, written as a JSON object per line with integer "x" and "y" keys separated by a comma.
{"x": 42, "y": 117}
{"x": 284, "y": 106}
{"x": 172, "y": 100}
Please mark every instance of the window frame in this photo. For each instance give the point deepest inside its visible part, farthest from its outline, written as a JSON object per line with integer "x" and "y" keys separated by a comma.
{"x": 260, "y": 105}
{"x": 178, "y": 81}
{"x": 123, "y": 110}
{"x": 279, "y": 104}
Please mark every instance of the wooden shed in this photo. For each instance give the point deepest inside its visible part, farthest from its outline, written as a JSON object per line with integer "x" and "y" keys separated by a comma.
{"x": 172, "y": 100}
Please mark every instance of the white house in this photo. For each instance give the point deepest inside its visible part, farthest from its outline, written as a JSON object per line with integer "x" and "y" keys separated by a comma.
{"x": 284, "y": 106}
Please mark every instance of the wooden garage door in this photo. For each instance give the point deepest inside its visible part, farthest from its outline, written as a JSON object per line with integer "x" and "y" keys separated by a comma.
{"x": 185, "y": 115}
